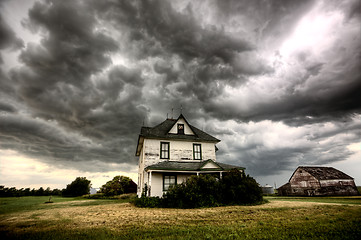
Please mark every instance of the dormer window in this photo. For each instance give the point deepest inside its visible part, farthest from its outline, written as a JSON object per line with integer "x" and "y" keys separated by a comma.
{"x": 180, "y": 128}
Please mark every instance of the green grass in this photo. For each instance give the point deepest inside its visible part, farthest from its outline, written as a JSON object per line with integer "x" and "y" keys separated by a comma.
{"x": 79, "y": 218}
{"x": 12, "y": 204}
{"x": 339, "y": 200}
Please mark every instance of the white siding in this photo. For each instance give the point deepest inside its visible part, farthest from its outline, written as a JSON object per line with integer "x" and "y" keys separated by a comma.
{"x": 210, "y": 165}
{"x": 179, "y": 151}
{"x": 157, "y": 185}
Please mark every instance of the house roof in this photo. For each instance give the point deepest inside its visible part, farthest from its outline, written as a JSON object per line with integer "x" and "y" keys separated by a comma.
{"x": 192, "y": 166}
{"x": 162, "y": 131}
{"x": 325, "y": 173}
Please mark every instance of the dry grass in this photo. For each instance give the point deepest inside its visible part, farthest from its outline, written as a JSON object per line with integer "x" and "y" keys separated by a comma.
{"x": 124, "y": 218}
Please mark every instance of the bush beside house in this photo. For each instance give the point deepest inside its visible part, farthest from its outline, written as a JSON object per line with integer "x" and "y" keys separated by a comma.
{"x": 235, "y": 188}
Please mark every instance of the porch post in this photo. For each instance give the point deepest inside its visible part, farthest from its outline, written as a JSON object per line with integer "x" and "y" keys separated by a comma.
{"x": 197, "y": 174}
{"x": 150, "y": 183}
{"x": 220, "y": 175}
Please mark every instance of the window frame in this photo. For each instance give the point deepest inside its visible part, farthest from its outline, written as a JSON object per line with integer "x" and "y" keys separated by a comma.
{"x": 164, "y": 151}
{"x": 180, "y": 131}
{"x": 169, "y": 185}
{"x": 196, "y": 153}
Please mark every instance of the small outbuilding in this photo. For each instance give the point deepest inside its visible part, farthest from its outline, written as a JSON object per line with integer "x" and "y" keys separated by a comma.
{"x": 318, "y": 181}
{"x": 267, "y": 189}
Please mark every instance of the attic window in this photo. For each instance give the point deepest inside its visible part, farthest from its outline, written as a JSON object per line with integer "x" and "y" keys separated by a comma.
{"x": 180, "y": 128}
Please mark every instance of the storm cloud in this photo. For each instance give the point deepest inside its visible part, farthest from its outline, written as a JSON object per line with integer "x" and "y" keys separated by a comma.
{"x": 279, "y": 82}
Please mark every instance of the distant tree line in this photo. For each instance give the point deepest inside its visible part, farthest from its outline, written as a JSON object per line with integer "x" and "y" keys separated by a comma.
{"x": 13, "y": 192}
{"x": 80, "y": 186}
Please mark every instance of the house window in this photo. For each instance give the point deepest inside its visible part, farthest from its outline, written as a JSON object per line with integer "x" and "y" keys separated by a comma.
{"x": 180, "y": 128}
{"x": 197, "y": 152}
{"x": 164, "y": 150}
{"x": 168, "y": 181}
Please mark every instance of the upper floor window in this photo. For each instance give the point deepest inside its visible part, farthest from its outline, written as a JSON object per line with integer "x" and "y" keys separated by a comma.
{"x": 164, "y": 150}
{"x": 180, "y": 128}
{"x": 197, "y": 151}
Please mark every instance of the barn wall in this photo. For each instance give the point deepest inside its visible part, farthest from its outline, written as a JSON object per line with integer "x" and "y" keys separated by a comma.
{"x": 302, "y": 179}
{"x": 304, "y": 184}
{"x": 340, "y": 187}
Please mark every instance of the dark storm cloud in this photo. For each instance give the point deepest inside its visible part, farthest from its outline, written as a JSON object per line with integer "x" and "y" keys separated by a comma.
{"x": 88, "y": 112}
{"x": 207, "y": 53}
{"x": 8, "y": 38}
{"x": 103, "y": 67}
{"x": 315, "y": 91}
{"x": 265, "y": 148}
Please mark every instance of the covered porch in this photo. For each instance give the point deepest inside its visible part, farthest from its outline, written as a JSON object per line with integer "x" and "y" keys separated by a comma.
{"x": 160, "y": 176}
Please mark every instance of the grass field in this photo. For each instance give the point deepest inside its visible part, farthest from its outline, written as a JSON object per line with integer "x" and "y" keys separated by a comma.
{"x": 281, "y": 218}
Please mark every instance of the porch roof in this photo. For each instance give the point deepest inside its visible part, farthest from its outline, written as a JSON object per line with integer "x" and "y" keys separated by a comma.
{"x": 207, "y": 165}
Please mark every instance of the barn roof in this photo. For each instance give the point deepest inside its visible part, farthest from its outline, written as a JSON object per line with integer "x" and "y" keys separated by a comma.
{"x": 325, "y": 173}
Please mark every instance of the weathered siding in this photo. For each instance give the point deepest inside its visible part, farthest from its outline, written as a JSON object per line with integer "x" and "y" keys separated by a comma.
{"x": 338, "y": 187}
{"x": 302, "y": 179}
{"x": 140, "y": 173}
{"x": 337, "y": 182}
{"x": 303, "y": 183}
{"x": 179, "y": 151}
{"x": 157, "y": 185}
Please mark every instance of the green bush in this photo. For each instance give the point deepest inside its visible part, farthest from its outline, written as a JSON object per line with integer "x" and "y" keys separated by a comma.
{"x": 148, "y": 202}
{"x": 119, "y": 185}
{"x": 238, "y": 188}
{"x": 235, "y": 188}
{"x": 197, "y": 191}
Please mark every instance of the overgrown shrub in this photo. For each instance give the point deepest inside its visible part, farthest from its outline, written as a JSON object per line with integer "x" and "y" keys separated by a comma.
{"x": 239, "y": 188}
{"x": 148, "y": 202}
{"x": 103, "y": 196}
{"x": 235, "y": 188}
{"x": 197, "y": 191}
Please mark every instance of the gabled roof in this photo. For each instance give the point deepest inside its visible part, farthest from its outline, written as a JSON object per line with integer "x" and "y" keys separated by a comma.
{"x": 324, "y": 173}
{"x": 191, "y": 166}
{"x": 161, "y": 131}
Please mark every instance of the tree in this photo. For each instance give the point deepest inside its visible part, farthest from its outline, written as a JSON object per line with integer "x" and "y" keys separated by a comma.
{"x": 239, "y": 188}
{"x": 119, "y": 185}
{"x": 80, "y": 186}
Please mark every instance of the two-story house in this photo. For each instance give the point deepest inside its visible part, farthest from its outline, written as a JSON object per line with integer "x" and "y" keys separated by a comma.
{"x": 171, "y": 152}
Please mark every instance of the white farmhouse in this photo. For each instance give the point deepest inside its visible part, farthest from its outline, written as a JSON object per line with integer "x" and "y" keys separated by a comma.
{"x": 171, "y": 152}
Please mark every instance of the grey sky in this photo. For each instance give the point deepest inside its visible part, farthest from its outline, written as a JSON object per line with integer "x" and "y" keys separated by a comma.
{"x": 279, "y": 82}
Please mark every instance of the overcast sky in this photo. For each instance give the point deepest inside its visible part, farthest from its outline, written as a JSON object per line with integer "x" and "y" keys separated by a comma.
{"x": 278, "y": 82}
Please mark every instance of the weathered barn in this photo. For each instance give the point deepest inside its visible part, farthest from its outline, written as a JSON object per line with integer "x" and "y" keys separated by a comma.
{"x": 318, "y": 181}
